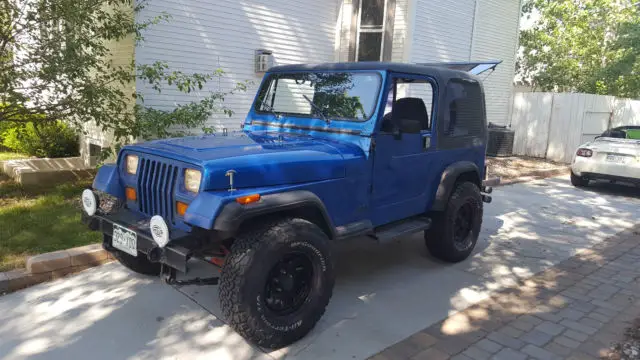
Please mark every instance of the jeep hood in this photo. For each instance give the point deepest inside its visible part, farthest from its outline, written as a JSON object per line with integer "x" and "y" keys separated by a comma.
{"x": 258, "y": 158}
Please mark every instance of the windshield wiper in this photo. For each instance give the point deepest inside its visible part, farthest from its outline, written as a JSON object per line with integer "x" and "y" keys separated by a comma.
{"x": 318, "y": 109}
{"x": 270, "y": 109}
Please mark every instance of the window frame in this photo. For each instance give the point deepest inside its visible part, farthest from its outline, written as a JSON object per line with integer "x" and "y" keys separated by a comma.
{"x": 359, "y": 29}
{"x": 266, "y": 85}
{"x": 392, "y": 90}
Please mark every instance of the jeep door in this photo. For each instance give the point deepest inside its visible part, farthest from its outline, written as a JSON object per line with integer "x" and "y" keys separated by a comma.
{"x": 404, "y": 150}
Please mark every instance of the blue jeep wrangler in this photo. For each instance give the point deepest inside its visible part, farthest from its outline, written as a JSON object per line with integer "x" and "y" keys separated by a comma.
{"x": 327, "y": 152}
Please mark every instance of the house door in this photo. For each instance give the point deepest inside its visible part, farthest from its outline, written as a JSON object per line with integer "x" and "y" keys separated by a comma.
{"x": 404, "y": 151}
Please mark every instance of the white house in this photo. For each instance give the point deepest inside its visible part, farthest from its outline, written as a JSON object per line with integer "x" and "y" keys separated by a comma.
{"x": 203, "y": 35}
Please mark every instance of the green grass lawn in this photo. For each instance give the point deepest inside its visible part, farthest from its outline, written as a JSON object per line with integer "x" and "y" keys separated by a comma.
{"x": 35, "y": 220}
{"x": 11, "y": 156}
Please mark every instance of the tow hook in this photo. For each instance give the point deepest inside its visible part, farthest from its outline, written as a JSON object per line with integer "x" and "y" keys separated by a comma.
{"x": 155, "y": 255}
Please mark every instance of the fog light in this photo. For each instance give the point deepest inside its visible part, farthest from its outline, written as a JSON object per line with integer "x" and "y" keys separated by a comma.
{"x": 89, "y": 202}
{"x": 181, "y": 208}
{"x": 159, "y": 230}
{"x": 131, "y": 194}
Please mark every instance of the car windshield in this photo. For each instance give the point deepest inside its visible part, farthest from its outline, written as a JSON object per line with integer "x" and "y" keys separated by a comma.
{"x": 328, "y": 95}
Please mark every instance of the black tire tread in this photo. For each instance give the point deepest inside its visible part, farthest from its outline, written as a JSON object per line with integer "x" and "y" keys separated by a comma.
{"x": 233, "y": 277}
{"x": 435, "y": 238}
{"x": 578, "y": 181}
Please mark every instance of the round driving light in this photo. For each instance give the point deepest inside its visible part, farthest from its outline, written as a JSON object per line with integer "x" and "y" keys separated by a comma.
{"x": 89, "y": 202}
{"x": 159, "y": 230}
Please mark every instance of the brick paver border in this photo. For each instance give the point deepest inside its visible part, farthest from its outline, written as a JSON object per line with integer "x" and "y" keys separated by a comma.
{"x": 573, "y": 310}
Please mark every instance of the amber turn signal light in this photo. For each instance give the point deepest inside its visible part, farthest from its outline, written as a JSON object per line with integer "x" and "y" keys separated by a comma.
{"x": 131, "y": 194}
{"x": 181, "y": 208}
{"x": 244, "y": 200}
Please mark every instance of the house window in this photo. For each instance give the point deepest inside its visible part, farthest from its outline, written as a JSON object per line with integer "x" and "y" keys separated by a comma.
{"x": 370, "y": 30}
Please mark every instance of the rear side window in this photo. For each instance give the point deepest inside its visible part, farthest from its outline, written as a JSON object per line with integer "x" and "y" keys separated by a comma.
{"x": 464, "y": 114}
{"x": 465, "y": 109}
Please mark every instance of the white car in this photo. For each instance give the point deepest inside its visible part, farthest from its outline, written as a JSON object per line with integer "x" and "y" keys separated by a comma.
{"x": 613, "y": 156}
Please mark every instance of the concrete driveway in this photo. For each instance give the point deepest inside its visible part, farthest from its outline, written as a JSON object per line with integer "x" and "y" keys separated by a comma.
{"x": 383, "y": 293}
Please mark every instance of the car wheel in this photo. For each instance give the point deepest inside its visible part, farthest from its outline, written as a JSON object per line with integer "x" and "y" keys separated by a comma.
{"x": 277, "y": 281}
{"x": 455, "y": 231}
{"x": 578, "y": 181}
{"x": 139, "y": 264}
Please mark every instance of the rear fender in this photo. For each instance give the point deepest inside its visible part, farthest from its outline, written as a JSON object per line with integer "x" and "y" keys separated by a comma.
{"x": 449, "y": 178}
{"x": 108, "y": 180}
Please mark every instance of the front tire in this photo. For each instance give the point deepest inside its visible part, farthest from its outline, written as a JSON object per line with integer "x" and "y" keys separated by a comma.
{"x": 139, "y": 264}
{"x": 455, "y": 231}
{"x": 277, "y": 281}
{"x": 578, "y": 181}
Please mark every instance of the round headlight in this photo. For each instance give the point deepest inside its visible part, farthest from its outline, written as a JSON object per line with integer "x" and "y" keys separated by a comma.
{"x": 89, "y": 202}
{"x": 192, "y": 180}
{"x": 132, "y": 164}
{"x": 159, "y": 230}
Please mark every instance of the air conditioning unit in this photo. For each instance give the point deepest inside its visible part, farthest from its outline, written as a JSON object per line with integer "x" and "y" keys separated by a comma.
{"x": 500, "y": 141}
{"x": 264, "y": 60}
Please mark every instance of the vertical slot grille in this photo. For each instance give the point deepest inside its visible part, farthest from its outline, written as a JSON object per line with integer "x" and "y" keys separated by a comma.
{"x": 156, "y": 182}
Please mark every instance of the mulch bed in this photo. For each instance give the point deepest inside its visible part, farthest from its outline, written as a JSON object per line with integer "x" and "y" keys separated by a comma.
{"x": 514, "y": 167}
{"x": 629, "y": 348}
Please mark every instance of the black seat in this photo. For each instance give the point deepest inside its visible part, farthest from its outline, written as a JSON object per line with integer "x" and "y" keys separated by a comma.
{"x": 411, "y": 109}
{"x": 407, "y": 110}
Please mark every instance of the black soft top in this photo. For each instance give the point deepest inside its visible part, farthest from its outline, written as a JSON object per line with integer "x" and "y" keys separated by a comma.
{"x": 439, "y": 72}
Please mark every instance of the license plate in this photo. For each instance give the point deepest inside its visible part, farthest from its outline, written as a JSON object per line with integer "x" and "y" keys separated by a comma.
{"x": 125, "y": 240}
{"x": 617, "y": 159}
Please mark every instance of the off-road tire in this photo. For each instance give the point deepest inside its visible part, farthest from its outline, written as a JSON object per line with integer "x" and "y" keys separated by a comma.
{"x": 578, "y": 181}
{"x": 440, "y": 238}
{"x": 244, "y": 276}
{"x": 139, "y": 264}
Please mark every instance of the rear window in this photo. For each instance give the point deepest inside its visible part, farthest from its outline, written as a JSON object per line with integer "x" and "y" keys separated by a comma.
{"x": 465, "y": 109}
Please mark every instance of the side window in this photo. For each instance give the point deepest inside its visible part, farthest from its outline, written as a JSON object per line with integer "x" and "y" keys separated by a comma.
{"x": 414, "y": 101}
{"x": 464, "y": 110}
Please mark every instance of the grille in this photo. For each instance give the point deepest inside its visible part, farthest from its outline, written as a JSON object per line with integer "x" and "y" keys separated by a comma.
{"x": 155, "y": 188}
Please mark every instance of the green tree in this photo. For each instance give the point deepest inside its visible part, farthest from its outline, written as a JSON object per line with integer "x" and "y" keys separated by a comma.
{"x": 57, "y": 63}
{"x": 581, "y": 46}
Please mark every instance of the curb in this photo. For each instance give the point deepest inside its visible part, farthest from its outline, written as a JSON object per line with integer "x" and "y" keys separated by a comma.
{"x": 537, "y": 175}
{"x": 53, "y": 265}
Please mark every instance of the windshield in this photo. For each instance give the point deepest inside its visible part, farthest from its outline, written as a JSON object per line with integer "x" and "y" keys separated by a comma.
{"x": 329, "y": 95}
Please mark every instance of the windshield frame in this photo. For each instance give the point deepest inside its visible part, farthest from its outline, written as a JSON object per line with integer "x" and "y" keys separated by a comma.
{"x": 266, "y": 83}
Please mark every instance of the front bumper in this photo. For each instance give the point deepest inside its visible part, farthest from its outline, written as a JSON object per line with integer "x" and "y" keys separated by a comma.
{"x": 175, "y": 254}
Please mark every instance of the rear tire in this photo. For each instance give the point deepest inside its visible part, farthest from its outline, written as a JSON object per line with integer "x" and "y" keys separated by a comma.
{"x": 578, "y": 181}
{"x": 139, "y": 264}
{"x": 455, "y": 232}
{"x": 277, "y": 281}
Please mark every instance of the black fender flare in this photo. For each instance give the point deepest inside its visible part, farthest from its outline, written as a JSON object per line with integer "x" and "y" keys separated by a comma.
{"x": 233, "y": 214}
{"x": 448, "y": 181}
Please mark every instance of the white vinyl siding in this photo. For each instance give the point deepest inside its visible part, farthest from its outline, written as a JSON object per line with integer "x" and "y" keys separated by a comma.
{"x": 400, "y": 31}
{"x": 471, "y": 30}
{"x": 442, "y": 30}
{"x": 496, "y": 37}
{"x": 203, "y": 35}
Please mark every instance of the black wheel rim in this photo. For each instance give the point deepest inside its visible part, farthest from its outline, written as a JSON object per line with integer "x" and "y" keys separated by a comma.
{"x": 463, "y": 226}
{"x": 289, "y": 284}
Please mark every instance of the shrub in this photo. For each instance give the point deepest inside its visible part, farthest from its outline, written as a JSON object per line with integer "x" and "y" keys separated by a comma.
{"x": 52, "y": 140}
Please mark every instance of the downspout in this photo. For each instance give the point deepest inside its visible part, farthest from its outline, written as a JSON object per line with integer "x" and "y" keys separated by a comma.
{"x": 473, "y": 29}
{"x": 516, "y": 50}
{"x": 410, "y": 18}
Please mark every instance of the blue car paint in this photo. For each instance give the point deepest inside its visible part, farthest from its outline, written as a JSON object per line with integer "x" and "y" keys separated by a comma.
{"x": 273, "y": 155}
{"x": 108, "y": 180}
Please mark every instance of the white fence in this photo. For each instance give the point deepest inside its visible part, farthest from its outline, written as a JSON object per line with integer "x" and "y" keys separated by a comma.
{"x": 552, "y": 126}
